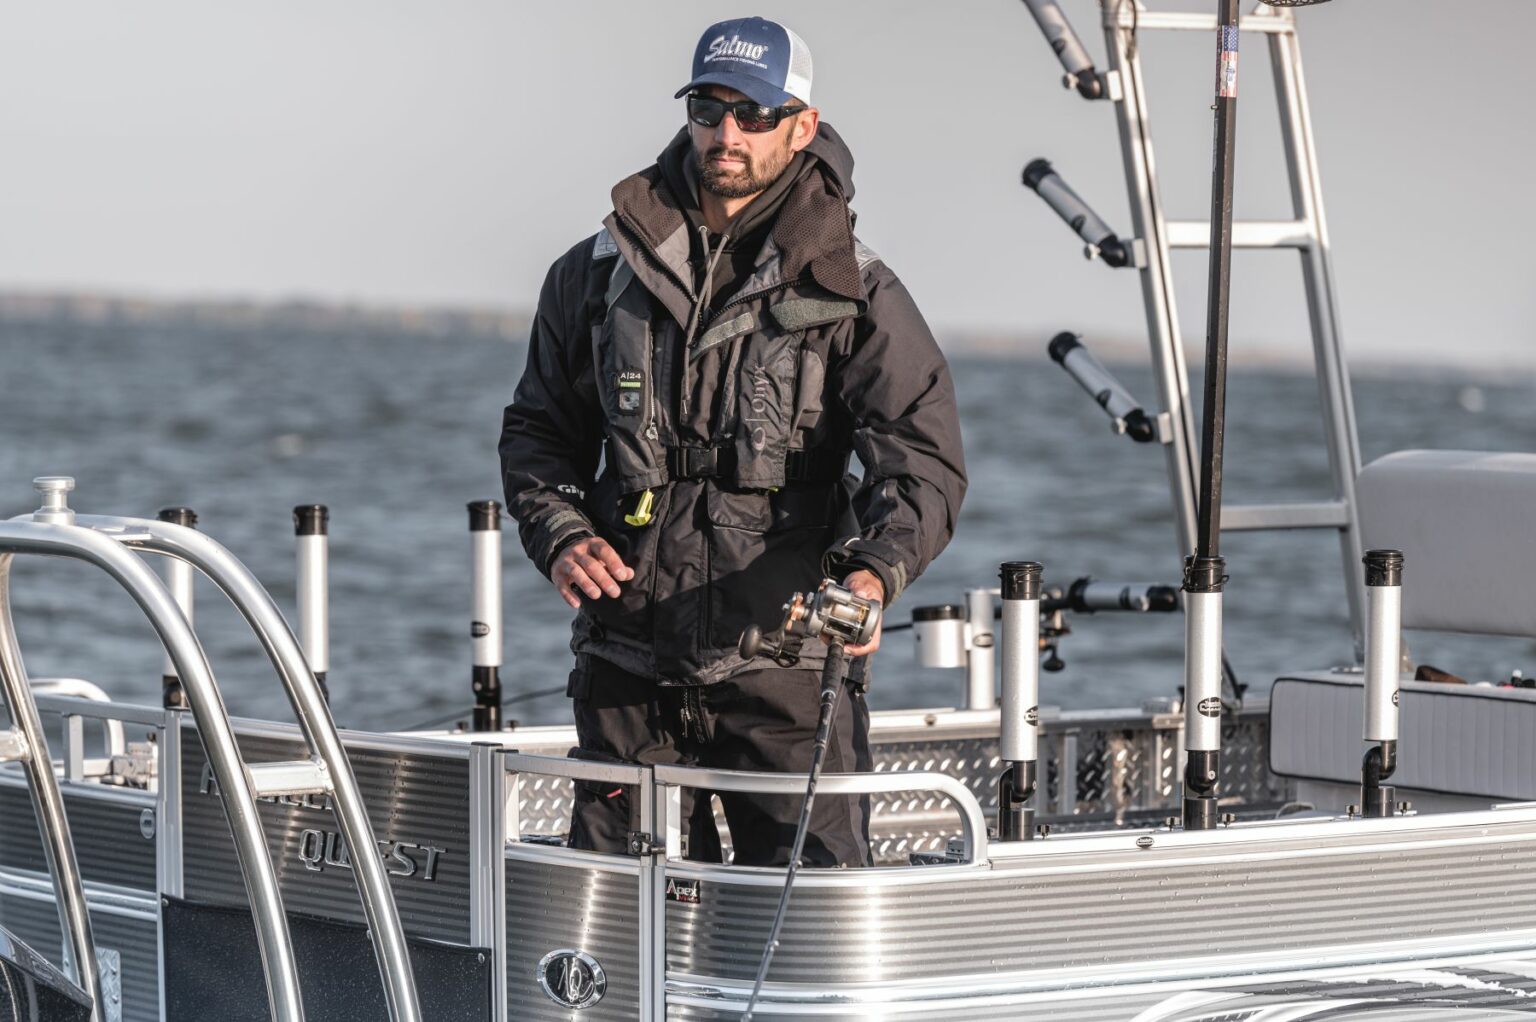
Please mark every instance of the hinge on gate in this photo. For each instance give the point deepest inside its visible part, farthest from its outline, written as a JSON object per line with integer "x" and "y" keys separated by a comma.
{"x": 641, "y": 843}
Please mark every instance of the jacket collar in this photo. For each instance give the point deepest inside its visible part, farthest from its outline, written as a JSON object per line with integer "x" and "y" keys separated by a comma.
{"x": 812, "y": 236}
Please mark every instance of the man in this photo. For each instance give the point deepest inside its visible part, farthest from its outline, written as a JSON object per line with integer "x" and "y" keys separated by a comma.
{"x": 721, "y": 347}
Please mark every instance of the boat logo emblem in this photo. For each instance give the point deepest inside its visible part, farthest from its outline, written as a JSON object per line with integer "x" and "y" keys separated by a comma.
{"x": 1209, "y": 707}
{"x": 683, "y": 891}
{"x": 572, "y": 978}
{"x": 1032, "y": 716}
{"x": 1395, "y": 698}
{"x": 479, "y": 629}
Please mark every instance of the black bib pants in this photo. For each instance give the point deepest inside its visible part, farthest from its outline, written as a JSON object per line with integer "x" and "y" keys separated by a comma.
{"x": 761, "y": 720}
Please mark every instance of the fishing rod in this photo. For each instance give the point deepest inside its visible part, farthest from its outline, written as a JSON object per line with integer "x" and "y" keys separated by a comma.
{"x": 1205, "y": 574}
{"x": 840, "y": 618}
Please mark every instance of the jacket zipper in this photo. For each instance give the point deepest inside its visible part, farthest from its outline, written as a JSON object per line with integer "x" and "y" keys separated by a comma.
{"x": 753, "y": 296}
{"x": 666, "y": 503}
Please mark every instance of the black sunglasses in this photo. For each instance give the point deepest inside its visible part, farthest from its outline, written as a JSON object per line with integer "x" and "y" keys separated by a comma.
{"x": 709, "y": 112}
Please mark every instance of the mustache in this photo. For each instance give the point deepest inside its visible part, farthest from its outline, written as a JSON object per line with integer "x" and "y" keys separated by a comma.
{"x": 730, "y": 154}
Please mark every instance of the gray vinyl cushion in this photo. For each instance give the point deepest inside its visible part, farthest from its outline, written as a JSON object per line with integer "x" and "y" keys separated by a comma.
{"x": 1454, "y": 739}
{"x": 1466, "y": 524}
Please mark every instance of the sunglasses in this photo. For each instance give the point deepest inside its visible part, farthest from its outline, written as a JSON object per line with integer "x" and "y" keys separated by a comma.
{"x": 709, "y": 112}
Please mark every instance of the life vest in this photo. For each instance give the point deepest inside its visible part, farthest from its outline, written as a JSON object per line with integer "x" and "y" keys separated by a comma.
{"x": 768, "y": 407}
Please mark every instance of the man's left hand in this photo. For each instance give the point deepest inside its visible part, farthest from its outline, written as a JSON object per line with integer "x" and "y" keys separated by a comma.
{"x": 867, "y": 586}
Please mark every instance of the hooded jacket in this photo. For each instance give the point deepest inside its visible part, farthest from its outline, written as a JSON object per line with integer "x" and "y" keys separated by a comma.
{"x": 727, "y": 419}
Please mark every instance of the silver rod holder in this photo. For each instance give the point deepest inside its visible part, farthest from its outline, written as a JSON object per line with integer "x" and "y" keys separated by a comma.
{"x": 1021, "y": 662}
{"x": 1383, "y": 644}
{"x": 981, "y": 658}
{"x": 1204, "y": 579}
{"x": 485, "y": 622}
{"x": 311, "y": 526}
{"x": 178, "y": 579}
{"x": 1019, "y": 745}
{"x": 1383, "y": 647}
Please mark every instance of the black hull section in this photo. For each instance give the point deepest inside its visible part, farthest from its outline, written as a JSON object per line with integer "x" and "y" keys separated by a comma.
{"x": 213, "y": 970}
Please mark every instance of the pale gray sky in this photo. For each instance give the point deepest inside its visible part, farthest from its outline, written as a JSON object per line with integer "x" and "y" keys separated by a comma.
{"x": 446, "y": 152}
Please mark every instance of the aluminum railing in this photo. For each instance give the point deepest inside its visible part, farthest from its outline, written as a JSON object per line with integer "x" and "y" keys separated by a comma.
{"x": 107, "y": 542}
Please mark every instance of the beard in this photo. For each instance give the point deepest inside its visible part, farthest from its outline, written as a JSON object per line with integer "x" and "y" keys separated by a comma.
{"x": 753, "y": 176}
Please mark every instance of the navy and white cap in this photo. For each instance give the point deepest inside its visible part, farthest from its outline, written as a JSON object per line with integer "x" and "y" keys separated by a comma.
{"x": 759, "y": 58}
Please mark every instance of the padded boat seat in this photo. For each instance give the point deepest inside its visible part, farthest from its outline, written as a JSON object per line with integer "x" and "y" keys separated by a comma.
{"x": 1453, "y": 739}
{"x": 1466, "y": 524}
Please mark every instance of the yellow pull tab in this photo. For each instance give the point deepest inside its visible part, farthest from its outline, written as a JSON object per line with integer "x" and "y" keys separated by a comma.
{"x": 642, "y": 515}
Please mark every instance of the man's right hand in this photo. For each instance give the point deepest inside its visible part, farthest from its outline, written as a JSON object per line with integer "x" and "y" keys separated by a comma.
{"x": 590, "y": 565}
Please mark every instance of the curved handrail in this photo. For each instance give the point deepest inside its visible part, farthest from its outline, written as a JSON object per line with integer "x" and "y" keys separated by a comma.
{"x": 261, "y": 613}
{"x": 30, "y": 537}
{"x": 973, "y": 823}
{"x": 47, "y": 801}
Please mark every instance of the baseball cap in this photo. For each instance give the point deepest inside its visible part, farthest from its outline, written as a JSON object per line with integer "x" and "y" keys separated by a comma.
{"x": 759, "y": 58}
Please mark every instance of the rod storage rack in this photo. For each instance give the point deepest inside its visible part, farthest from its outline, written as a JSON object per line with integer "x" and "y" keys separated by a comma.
{"x": 114, "y": 544}
{"x": 1155, "y": 235}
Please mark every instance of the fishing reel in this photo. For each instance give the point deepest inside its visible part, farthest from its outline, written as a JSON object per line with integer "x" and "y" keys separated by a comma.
{"x": 831, "y": 613}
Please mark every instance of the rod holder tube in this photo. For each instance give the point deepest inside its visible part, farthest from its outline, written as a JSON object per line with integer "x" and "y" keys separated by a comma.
{"x": 311, "y": 526}
{"x": 981, "y": 657}
{"x": 1383, "y": 648}
{"x": 178, "y": 579}
{"x": 1068, "y": 48}
{"x": 1042, "y": 178}
{"x": 1204, "y": 579}
{"x": 1125, "y": 412}
{"x": 485, "y": 622}
{"x": 1019, "y": 743}
{"x": 1383, "y": 643}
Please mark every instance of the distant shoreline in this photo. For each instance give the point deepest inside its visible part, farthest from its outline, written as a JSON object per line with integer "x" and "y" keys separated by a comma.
{"x": 235, "y": 316}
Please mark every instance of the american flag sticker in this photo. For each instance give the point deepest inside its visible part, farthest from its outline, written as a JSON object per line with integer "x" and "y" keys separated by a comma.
{"x": 1226, "y": 66}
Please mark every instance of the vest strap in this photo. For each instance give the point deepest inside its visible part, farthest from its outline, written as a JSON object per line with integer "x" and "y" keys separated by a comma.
{"x": 816, "y": 466}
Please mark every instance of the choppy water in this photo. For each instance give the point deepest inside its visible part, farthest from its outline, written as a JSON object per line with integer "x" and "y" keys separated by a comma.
{"x": 396, "y": 432}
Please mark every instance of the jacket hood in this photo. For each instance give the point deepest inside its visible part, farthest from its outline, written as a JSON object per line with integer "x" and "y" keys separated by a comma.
{"x": 813, "y": 230}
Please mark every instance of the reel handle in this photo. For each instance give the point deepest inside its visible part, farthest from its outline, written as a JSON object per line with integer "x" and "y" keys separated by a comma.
{"x": 831, "y": 613}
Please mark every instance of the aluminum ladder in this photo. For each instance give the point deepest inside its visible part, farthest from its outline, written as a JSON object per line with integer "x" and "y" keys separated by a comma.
{"x": 1156, "y": 236}
{"x": 111, "y": 544}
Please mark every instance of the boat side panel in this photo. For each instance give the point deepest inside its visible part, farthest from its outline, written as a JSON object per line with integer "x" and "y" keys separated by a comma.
{"x": 109, "y": 842}
{"x": 36, "y": 922}
{"x": 1021, "y": 926}
{"x": 552, "y": 907}
{"x": 418, "y": 805}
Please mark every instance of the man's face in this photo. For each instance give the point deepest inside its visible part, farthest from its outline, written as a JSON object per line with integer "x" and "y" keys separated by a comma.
{"x": 736, "y": 164}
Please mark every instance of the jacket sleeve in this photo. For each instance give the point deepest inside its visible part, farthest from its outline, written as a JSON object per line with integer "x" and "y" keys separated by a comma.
{"x": 551, "y": 433}
{"x": 896, "y": 387}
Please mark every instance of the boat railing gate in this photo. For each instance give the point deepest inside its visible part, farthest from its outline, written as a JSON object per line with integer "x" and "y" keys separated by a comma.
{"x": 111, "y": 543}
{"x": 658, "y": 843}
{"x": 1099, "y": 768}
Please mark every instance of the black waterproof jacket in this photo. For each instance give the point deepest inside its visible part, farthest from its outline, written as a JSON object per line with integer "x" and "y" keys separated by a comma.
{"x": 820, "y": 353}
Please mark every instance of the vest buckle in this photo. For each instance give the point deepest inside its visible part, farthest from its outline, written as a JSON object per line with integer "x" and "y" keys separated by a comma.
{"x": 642, "y": 513}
